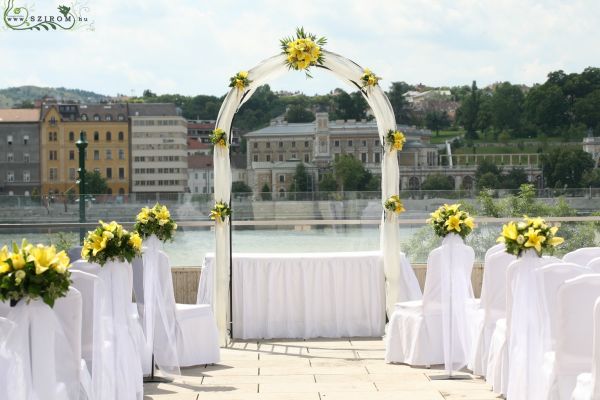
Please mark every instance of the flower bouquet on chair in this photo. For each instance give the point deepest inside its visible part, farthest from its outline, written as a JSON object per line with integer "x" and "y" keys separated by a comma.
{"x": 157, "y": 222}
{"x": 111, "y": 243}
{"x": 530, "y": 234}
{"x": 451, "y": 219}
{"x": 33, "y": 272}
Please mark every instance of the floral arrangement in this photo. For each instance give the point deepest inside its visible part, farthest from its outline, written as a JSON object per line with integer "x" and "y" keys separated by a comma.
{"x": 395, "y": 139}
{"x": 110, "y": 242}
{"x": 240, "y": 80}
{"x": 368, "y": 78}
{"x": 530, "y": 233}
{"x": 31, "y": 272}
{"x": 394, "y": 204}
{"x": 451, "y": 219}
{"x": 303, "y": 50}
{"x": 219, "y": 137}
{"x": 155, "y": 221}
{"x": 220, "y": 211}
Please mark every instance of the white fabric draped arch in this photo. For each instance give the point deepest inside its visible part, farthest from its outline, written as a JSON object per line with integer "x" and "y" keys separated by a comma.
{"x": 349, "y": 72}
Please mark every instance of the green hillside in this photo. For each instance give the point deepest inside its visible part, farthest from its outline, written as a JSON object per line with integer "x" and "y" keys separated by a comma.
{"x": 15, "y": 96}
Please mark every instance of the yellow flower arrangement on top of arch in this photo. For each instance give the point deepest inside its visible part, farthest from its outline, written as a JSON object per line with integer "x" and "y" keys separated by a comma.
{"x": 303, "y": 50}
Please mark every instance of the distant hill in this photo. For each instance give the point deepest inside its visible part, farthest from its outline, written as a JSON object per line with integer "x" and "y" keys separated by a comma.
{"x": 16, "y": 95}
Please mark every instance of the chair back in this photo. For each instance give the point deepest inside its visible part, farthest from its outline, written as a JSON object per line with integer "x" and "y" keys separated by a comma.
{"x": 138, "y": 281}
{"x": 575, "y": 327}
{"x": 594, "y": 265}
{"x": 582, "y": 256}
{"x": 550, "y": 278}
{"x": 89, "y": 286}
{"x": 493, "y": 250}
{"x": 493, "y": 291}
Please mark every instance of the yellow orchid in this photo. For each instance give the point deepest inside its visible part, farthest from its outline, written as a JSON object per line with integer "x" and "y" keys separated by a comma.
{"x": 453, "y": 223}
{"x": 534, "y": 239}
{"x": 4, "y": 255}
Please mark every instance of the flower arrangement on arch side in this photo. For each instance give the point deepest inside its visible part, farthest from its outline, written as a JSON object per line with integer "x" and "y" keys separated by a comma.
{"x": 394, "y": 204}
{"x": 395, "y": 139}
{"x": 451, "y": 219}
{"x": 155, "y": 221}
{"x": 218, "y": 137}
{"x": 240, "y": 80}
{"x": 303, "y": 50}
{"x": 530, "y": 233}
{"x": 111, "y": 242}
{"x": 368, "y": 78}
{"x": 31, "y": 272}
{"x": 220, "y": 211}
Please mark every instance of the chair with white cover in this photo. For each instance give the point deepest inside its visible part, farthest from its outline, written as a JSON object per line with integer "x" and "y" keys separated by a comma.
{"x": 594, "y": 265}
{"x": 500, "y": 247}
{"x": 11, "y": 374}
{"x": 522, "y": 310}
{"x": 74, "y": 253}
{"x": 492, "y": 304}
{"x": 126, "y": 338}
{"x": 582, "y": 256}
{"x": 588, "y": 384}
{"x": 183, "y": 333}
{"x": 437, "y": 330}
{"x": 574, "y": 335}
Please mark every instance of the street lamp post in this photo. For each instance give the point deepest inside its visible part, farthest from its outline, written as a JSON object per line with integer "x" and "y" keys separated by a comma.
{"x": 81, "y": 145}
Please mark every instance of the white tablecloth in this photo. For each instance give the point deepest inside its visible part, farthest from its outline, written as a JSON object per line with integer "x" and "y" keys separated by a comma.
{"x": 304, "y": 295}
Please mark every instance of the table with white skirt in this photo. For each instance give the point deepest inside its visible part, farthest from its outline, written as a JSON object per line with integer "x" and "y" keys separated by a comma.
{"x": 303, "y": 295}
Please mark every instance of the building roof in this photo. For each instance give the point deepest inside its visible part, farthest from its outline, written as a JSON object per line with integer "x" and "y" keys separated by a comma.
{"x": 114, "y": 110}
{"x": 20, "y": 115}
{"x": 200, "y": 162}
{"x": 153, "y": 110}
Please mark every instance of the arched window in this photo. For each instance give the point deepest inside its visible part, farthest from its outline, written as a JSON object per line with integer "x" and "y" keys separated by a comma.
{"x": 413, "y": 183}
{"x": 96, "y": 117}
{"x": 108, "y": 117}
{"x": 96, "y": 136}
{"x": 281, "y": 193}
{"x": 121, "y": 136}
{"x": 121, "y": 191}
{"x": 84, "y": 117}
{"x": 467, "y": 183}
{"x": 108, "y": 136}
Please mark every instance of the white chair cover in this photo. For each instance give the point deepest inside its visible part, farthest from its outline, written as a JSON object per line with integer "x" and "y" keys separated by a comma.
{"x": 12, "y": 378}
{"x": 126, "y": 338}
{"x": 582, "y": 256}
{"x": 437, "y": 329}
{"x": 157, "y": 303}
{"x": 44, "y": 349}
{"x": 574, "y": 335}
{"x": 492, "y": 304}
{"x": 588, "y": 384}
{"x": 500, "y": 247}
{"x": 523, "y": 313}
{"x": 594, "y": 265}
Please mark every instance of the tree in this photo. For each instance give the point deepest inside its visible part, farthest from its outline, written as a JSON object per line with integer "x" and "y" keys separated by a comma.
{"x": 486, "y": 166}
{"x": 565, "y": 167}
{"x": 240, "y": 187}
{"x": 302, "y": 180}
{"x": 591, "y": 178}
{"x": 349, "y": 106}
{"x": 148, "y": 93}
{"x": 351, "y": 173}
{"x": 398, "y": 102}
{"x": 297, "y": 113}
{"x": 328, "y": 183}
{"x": 546, "y": 107}
{"x": 437, "y": 182}
{"x": 436, "y": 120}
{"x": 507, "y": 105}
{"x": 587, "y": 109}
{"x": 488, "y": 181}
{"x": 468, "y": 111}
{"x": 514, "y": 179}
{"x": 266, "y": 192}
{"x": 95, "y": 183}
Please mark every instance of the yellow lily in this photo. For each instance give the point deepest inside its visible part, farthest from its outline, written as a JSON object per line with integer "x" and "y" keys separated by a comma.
{"x": 136, "y": 241}
{"x": 453, "y": 223}
{"x": 42, "y": 257}
{"x": 556, "y": 240}
{"x": 453, "y": 207}
{"x": 469, "y": 222}
{"x": 509, "y": 231}
{"x": 18, "y": 260}
{"x": 61, "y": 262}
{"x": 4, "y": 266}
{"x": 534, "y": 239}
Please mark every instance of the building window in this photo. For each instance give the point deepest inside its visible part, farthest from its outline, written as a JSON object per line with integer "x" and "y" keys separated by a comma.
{"x": 53, "y": 121}
{"x": 377, "y": 142}
{"x": 26, "y": 176}
{"x": 121, "y": 154}
{"x": 25, "y": 139}
{"x": 363, "y": 157}
{"x": 26, "y": 158}
{"x": 336, "y": 143}
{"x": 53, "y": 174}
{"x": 293, "y": 144}
{"x": 108, "y": 117}
{"x": 377, "y": 157}
{"x": 280, "y": 144}
{"x": 121, "y": 136}
{"x": 9, "y": 139}
{"x": 255, "y": 145}
{"x": 96, "y": 117}
{"x": 72, "y": 174}
{"x": 71, "y": 154}
{"x": 84, "y": 117}
{"x": 121, "y": 173}
{"x": 109, "y": 154}
{"x": 96, "y": 154}
{"x": 280, "y": 157}
{"x": 268, "y": 157}
{"x": 294, "y": 156}
{"x": 268, "y": 145}
{"x": 10, "y": 176}
{"x": 53, "y": 155}
{"x": 97, "y": 170}
{"x": 71, "y": 136}
{"x": 306, "y": 158}
{"x": 282, "y": 178}
{"x": 108, "y": 173}
{"x": 121, "y": 117}
{"x": 10, "y": 157}
{"x": 349, "y": 143}
{"x": 96, "y": 136}
{"x": 306, "y": 144}
{"x": 364, "y": 143}
{"x": 108, "y": 136}
{"x": 255, "y": 158}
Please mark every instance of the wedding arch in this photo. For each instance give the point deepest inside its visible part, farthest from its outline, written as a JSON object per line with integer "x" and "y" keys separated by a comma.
{"x": 300, "y": 53}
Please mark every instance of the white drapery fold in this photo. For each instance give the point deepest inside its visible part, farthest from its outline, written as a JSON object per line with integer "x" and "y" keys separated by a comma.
{"x": 349, "y": 72}
{"x": 160, "y": 323}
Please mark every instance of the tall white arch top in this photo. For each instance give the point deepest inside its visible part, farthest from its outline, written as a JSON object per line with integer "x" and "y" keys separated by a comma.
{"x": 349, "y": 72}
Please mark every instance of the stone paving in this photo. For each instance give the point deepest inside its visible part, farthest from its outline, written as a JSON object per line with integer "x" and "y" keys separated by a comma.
{"x": 341, "y": 369}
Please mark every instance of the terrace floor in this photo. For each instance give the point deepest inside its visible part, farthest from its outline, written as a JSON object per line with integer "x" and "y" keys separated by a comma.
{"x": 343, "y": 369}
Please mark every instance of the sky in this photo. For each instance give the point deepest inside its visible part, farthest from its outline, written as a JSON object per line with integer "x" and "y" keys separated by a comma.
{"x": 192, "y": 47}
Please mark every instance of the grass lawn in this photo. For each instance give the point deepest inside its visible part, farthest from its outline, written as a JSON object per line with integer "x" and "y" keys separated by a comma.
{"x": 442, "y": 136}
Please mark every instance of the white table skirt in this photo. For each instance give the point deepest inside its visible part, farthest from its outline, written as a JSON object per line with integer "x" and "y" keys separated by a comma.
{"x": 305, "y": 295}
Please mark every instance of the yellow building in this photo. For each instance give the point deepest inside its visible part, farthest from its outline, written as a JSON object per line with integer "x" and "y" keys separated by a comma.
{"x": 108, "y": 151}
